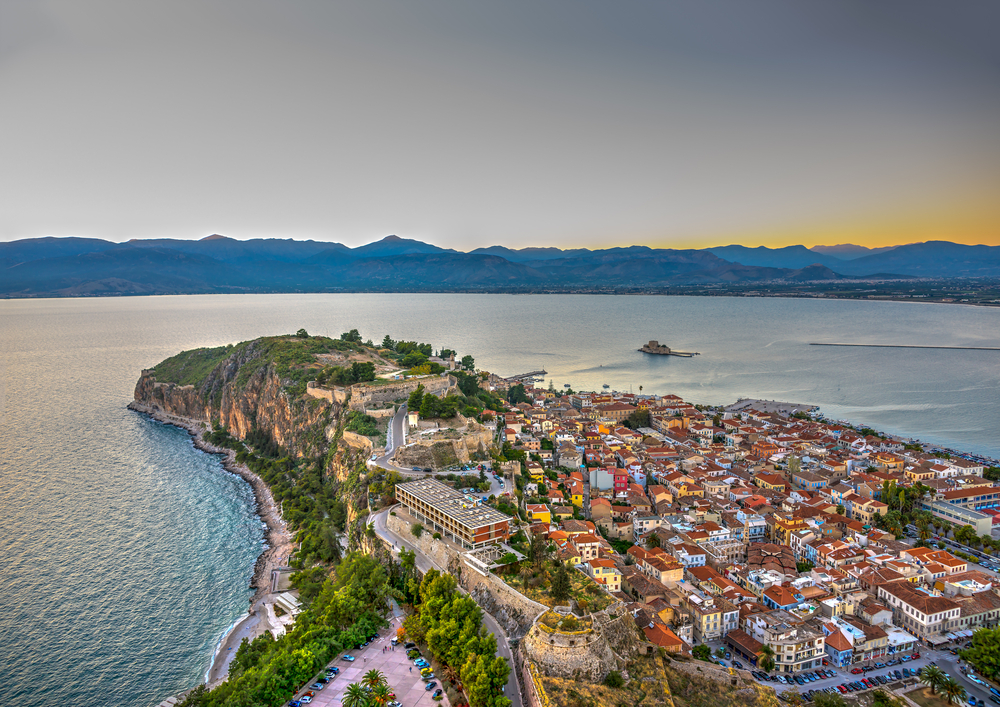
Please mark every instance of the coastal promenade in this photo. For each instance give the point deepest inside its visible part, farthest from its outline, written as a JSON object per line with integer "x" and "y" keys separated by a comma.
{"x": 425, "y": 564}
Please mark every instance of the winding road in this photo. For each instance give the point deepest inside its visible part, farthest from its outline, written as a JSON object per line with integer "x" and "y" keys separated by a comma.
{"x": 424, "y": 564}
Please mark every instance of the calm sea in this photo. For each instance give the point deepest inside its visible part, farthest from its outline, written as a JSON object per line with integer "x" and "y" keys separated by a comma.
{"x": 128, "y": 553}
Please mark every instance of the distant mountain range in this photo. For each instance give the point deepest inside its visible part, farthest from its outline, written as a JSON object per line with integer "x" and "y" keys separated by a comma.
{"x": 87, "y": 266}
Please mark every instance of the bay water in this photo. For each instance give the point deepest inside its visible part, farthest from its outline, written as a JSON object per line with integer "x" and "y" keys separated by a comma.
{"x": 129, "y": 553}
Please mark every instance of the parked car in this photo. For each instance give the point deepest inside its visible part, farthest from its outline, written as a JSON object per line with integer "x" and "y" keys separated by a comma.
{"x": 427, "y": 677}
{"x": 306, "y": 698}
{"x": 409, "y": 644}
{"x": 349, "y": 658}
{"x": 317, "y": 686}
{"x": 738, "y": 665}
{"x": 430, "y": 686}
{"x": 333, "y": 670}
{"x": 437, "y": 694}
{"x": 843, "y": 690}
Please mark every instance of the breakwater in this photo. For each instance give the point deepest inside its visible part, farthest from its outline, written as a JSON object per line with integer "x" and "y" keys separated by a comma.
{"x": 910, "y": 346}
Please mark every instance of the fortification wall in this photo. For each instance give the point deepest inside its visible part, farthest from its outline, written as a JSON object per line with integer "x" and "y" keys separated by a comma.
{"x": 437, "y": 551}
{"x": 338, "y": 395}
{"x": 511, "y": 609}
{"x": 441, "y": 453}
{"x": 575, "y": 655}
{"x": 377, "y": 395}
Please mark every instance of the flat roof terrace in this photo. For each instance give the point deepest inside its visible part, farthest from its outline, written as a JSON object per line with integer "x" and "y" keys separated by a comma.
{"x": 444, "y": 506}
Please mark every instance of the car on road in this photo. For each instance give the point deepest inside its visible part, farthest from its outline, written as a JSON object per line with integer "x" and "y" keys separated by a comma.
{"x": 857, "y": 671}
{"x": 994, "y": 698}
{"x": 430, "y": 686}
{"x": 349, "y": 658}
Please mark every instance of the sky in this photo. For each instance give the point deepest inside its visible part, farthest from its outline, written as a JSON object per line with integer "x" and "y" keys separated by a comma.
{"x": 569, "y": 123}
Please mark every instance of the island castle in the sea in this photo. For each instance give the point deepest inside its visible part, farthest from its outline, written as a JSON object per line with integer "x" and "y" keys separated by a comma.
{"x": 654, "y": 347}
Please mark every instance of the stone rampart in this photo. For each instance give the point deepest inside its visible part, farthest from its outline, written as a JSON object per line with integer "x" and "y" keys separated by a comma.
{"x": 364, "y": 396}
{"x": 532, "y": 692}
{"x": 437, "y": 551}
{"x": 511, "y": 609}
{"x": 337, "y": 395}
{"x": 438, "y": 453}
{"x": 574, "y": 655}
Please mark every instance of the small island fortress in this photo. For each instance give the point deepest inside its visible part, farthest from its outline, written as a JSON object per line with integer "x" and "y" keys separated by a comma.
{"x": 654, "y": 347}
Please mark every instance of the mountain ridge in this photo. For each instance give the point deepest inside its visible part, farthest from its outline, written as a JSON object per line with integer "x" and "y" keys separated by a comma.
{"x": 219, "y": 264}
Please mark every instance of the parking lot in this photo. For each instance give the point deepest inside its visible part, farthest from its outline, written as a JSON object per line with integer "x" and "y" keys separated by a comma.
{"x": 844, "y": 676}
{"x": 402, "y": 677}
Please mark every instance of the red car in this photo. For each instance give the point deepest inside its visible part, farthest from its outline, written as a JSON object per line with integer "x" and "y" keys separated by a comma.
{"x": 914, "y": 656}
{"x": 843, "y": 690}
{"x": 857, "y": 671}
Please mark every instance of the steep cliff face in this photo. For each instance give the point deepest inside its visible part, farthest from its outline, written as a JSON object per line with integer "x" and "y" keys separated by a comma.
{"x": 245, "y": 393}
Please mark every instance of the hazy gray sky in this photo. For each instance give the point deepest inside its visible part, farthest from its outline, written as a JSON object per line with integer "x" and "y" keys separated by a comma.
{"x": 515, "y": 122}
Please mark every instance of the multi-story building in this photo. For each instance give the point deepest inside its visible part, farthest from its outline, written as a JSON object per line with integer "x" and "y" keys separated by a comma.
{"x": 796, "y": 646}
{"x": 922, "y": 612}
{"x": 713, "y": 616}
{"x": 448, "y": 512}
{"x": 605, "y": 573}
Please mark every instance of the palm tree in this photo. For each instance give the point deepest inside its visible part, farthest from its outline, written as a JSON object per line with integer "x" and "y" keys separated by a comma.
{"x": 767, "y": 662}
{"x": 373, "y": 678}
{"x": 952, "y": 690}
{"x": 381, "y": 695}
{"x": 355, "y": 696}
{"x": 933, "y": 677}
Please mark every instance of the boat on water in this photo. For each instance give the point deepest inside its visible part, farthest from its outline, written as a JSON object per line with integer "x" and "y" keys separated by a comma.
{"x": 565, "y": 385}
{"x": 606, "y": 386}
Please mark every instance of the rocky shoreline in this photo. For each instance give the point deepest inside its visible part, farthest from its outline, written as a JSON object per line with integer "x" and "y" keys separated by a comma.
{"x": 280, "y": 543}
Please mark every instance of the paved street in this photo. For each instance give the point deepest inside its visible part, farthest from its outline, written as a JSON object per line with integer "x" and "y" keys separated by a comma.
{"x": 424, "y": 564}
{"x": 943, "y": 658}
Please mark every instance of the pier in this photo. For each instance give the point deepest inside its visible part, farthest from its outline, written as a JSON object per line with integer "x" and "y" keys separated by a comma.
{"x": 526, "y": 376}
{"x": 912, "y": 346}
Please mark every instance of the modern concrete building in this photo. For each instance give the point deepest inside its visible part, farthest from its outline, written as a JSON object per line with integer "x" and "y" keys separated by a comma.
{"x": 955, "y": 513}
{"x": 448, "y": 512}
